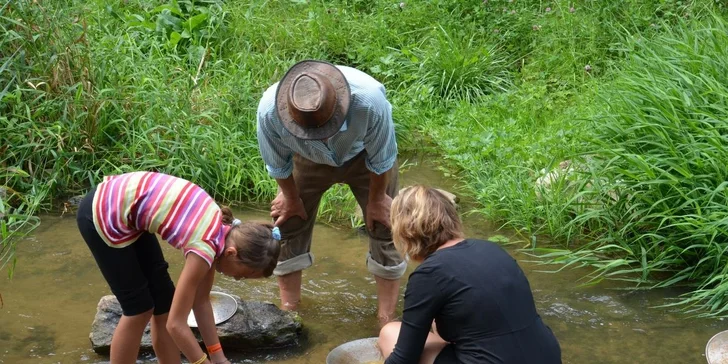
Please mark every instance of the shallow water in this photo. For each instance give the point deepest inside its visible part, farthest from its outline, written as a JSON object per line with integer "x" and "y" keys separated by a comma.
{"x": 51, "y": 301}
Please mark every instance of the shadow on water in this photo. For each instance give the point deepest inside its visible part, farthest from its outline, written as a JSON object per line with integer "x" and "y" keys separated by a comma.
{"x": 51, "y": 301}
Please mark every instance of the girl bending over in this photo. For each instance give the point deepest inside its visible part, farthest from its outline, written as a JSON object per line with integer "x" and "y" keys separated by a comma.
{"x": 119, "y": 219}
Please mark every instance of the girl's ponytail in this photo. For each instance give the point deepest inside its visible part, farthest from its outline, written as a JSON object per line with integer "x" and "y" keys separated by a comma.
{"x": 227, "y": 215}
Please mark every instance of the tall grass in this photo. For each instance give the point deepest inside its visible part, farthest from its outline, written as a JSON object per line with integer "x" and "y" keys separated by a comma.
{"x": 500, "y": 89}
{"x": 652, "y": 203}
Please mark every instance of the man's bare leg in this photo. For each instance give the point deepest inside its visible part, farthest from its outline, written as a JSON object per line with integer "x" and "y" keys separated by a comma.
{"x": 387, "y": 294}
{"x": 290, "y": 290}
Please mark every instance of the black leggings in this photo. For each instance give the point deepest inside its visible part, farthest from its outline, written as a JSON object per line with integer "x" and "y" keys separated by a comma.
{"x": 137, "y": 274}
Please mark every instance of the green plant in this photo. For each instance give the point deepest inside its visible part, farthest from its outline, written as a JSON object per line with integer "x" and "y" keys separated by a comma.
{"x": 499, "y": 92}
{"x": 17, "y": 218}
{"x": 180, "y": 22}
{"x": 655, "y": 185}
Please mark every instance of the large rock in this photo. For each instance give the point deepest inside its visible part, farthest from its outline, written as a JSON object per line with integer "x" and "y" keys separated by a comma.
{"x": 568, "y": 176}
{"x": 255, "y": 326}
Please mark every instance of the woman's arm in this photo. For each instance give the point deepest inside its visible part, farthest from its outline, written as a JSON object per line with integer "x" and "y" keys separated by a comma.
{"x": 194, "y": 272}
{"x": 204, "y": 316}
{"x": 422, "y": 301}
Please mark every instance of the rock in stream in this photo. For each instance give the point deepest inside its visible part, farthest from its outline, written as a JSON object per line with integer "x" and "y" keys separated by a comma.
{"x": 256, "y": 326}
{"x": 453, "y": 198}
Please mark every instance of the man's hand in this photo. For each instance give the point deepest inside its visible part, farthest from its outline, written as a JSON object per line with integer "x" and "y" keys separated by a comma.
{"x": 283, "y": 208}
{"x": 378, "y": 210}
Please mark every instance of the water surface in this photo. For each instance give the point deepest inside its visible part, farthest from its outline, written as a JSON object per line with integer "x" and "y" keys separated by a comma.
{"x": 51, "y": 301}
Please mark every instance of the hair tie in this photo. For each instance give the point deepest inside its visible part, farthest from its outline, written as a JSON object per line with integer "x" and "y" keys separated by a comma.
{"x": 236, "y": 222}
{"x": 276, "y": 233}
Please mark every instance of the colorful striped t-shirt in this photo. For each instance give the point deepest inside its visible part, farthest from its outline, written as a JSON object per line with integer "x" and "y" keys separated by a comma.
{"x": 182, "y": 213}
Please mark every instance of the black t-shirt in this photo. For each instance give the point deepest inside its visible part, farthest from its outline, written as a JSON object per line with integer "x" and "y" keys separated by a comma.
{"x": 482, "y": 304}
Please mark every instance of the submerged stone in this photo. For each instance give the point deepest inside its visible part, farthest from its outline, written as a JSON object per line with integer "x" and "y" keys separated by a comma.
{"x": 256, "y": 326}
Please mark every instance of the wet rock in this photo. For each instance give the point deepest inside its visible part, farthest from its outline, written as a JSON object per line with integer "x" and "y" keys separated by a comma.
{"x": 567, "y": 178}
{"x": 547, "y": 178}
{"x": 566, "y": 313}
{"x": 610, "y": 308}
{"x": 256, "y": 326}
{"x": 75, "y": 201}
{"x": 450, "y": 196}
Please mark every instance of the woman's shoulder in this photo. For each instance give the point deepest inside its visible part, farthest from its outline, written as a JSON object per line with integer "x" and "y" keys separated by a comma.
{"x": 485, "y": 245}
{"x": 468, "y": 250}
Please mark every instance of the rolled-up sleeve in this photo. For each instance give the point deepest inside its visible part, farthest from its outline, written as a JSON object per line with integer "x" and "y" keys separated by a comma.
{"x": 278, "y": 158}
{"x": 380, "y": 141}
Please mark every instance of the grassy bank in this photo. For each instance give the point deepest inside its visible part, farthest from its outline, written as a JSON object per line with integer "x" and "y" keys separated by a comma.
{"x": 500, "y": 89}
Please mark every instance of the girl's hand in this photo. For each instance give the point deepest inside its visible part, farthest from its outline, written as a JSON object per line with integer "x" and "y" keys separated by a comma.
{"x": 218, "y": 357}
{"x": 193, "y": 274}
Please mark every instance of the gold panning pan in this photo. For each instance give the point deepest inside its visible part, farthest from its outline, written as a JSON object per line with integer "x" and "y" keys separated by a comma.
{"x": 224, "y": 307}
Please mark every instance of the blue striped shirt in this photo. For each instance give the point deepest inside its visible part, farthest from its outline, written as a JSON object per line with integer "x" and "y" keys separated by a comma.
{"x": 369, "y": 127}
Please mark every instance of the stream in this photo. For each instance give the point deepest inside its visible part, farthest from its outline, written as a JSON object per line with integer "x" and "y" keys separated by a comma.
{"x": 51, "y": 301}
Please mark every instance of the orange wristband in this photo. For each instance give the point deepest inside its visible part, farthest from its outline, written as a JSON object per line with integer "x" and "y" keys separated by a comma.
{"x": 214, "y": 348}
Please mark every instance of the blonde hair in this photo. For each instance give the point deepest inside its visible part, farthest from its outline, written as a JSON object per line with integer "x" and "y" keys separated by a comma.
{"x": 422, "y": 220}
{"x": 254, "y": 243}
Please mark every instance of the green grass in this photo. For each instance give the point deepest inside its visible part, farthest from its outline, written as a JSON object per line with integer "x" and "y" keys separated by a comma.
{"x": 660, "y": 149}
{"x": 498, "y": 89}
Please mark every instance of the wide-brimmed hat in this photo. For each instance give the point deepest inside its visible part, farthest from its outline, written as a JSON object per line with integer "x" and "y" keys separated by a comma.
{"x": 312, "y": 99}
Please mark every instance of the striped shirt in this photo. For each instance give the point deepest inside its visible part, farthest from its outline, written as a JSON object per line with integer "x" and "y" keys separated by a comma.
{"x": 182, "y": 213}
{"x": 369, "y": 127}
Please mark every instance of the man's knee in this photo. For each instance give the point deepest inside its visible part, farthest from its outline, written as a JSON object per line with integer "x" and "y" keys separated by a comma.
{"x": 384, "y": 260}
{"x": 393, "y": 270}
{"x": 380, "y": 232}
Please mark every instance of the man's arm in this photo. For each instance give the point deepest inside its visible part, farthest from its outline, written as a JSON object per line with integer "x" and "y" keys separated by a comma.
{"x": 278, "y": 159}
{"x": 288, "y": 187}
{"x": 381, "y": 147}
{"x": 380, "y": 141}
{"x": 379, "y": 203}
{"x": 277, "y": 156}
{"x": 288, "y": 203}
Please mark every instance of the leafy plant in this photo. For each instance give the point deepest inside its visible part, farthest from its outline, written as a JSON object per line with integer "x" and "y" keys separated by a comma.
{"x": 657, "y": 175}
{"x": 181, "y": 22}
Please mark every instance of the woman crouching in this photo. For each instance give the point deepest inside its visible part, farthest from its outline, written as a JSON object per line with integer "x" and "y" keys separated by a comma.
{"x": 119, "y": 219}
{"x": 477, "y": 295}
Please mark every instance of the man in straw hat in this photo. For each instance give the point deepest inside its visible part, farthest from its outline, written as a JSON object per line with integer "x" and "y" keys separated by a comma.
{"x": 320, "y": 125}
